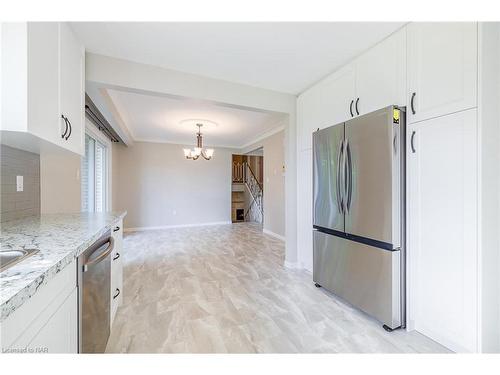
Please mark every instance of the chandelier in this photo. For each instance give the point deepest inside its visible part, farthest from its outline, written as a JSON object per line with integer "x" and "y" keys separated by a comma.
{"x": 198, "y": 151}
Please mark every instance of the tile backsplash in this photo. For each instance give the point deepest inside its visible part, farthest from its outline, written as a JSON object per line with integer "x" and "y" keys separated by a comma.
{"x": 14, "y": 204}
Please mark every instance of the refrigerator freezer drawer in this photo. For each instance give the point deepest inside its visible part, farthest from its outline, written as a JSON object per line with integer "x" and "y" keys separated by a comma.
{"x": 365, "y": 276}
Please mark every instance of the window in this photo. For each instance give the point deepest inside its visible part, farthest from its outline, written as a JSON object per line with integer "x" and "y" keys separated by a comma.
{"x": 94, "y": 176}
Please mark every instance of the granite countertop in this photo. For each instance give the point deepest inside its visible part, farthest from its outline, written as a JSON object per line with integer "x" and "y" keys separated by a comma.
{"x": 59, "y": 239}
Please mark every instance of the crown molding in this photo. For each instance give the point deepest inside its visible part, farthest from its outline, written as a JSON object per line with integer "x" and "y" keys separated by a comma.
{"x": 263, "y": 136}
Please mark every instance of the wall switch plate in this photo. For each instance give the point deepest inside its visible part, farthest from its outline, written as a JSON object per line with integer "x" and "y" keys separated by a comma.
{"x": 19, "y": 183}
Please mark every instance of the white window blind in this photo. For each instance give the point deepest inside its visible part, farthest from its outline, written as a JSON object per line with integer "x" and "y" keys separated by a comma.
{"x": 94, "y": 176}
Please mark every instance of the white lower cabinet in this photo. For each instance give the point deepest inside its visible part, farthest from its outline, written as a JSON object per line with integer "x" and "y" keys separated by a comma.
{"x": 48, "y": 321}
{"x": 116, "y": 270}
{"x": 60, "y": 333}
{"x": 442, "y": 229}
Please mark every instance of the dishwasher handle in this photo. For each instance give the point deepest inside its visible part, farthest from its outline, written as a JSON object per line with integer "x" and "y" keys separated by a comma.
{"x": 104, "y": 250}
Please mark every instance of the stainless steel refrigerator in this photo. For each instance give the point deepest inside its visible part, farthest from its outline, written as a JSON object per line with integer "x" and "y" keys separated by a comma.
{"x": 359, "y": 216}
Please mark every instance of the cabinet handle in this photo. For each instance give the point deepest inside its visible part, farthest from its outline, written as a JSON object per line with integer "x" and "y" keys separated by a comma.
{"x": 70, "y": 128}
{"x": 116, "y": 256}
{"x": 412, "y": 103}
{"x": 412, "y": 144}
{"x": 357, "y": 110}
{"x": 66, "y": 126}
{"x": 117, "y": 293}
{"x": 350, "y": 108}
{"x": 116, "y": 229}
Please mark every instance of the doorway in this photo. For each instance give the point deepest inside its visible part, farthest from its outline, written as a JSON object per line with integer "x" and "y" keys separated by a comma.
{"x": 247, "y": 192}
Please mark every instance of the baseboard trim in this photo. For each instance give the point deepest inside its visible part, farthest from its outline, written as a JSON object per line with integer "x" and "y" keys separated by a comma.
{"x": 140, "y": 229}
{"x": 272, "y": 234}
{"x": 292, "y": 265}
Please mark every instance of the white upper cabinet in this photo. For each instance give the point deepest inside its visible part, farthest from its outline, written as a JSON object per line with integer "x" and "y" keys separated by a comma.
{"x": 381, "y": 75}
{"x": 72, "y": 90}
{"x": 442, "y": 69}
{"x": 442, "y": 228}
{"x": 374, "y": 80}
{"x": 325, "y": 104}
{"x": 42, "y": 81}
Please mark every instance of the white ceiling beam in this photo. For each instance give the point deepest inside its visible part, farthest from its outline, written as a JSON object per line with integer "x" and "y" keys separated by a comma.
{"x": 116, "y": 73}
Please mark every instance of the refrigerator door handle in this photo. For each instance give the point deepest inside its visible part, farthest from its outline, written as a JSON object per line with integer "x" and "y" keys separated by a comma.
{"x": 348, "y": 169}
{"x": 338, "y": 194}
{"x": 343, "y": 178}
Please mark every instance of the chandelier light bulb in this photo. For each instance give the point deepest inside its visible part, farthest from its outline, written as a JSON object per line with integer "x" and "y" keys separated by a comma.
{"x": 209, "y": 152}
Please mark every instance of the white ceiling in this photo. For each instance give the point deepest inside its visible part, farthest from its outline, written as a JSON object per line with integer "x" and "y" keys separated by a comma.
{"x": 160, "y": 119}
{"x": 285, "y": 57}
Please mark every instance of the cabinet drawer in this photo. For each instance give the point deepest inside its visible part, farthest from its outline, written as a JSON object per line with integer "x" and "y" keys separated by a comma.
{"x": 366, "y": 276}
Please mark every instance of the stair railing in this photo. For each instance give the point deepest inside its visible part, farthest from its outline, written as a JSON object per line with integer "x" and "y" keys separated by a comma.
{"x": 256, "y": 209}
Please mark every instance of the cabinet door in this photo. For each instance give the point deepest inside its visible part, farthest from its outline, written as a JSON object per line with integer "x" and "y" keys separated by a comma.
{"x": 381, "y": 75}
{"x": 43, "y": 81}
{"x": 72, "y": 87}
{"x": 30, "y": 78}
{"x": 60, "y": 334}
{"x": 442, "y": 228}
{"x": 325, "y": 104}
{"x": 442, "y": 68}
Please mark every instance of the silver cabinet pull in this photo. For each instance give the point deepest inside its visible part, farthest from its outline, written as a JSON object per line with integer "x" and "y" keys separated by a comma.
{"x": 412, "y": 103}
{"x": 117, "y": 293}
{"x": 412, "y": 142}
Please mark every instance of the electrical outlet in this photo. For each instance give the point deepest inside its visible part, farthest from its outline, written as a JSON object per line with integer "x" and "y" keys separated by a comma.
{"x": 19, "y": 183}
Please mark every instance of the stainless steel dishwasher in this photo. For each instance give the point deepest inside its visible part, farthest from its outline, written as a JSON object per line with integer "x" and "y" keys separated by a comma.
{"x": 94, "y": 274}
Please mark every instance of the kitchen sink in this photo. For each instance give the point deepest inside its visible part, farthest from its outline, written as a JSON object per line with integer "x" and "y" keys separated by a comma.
{"x": 10, "y": 257}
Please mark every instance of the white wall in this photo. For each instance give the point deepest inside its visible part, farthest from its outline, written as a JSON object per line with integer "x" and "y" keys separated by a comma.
{"x": 304, "y": 210}
{"x": 159, "y": 187}
{"x": 274, "y": 182}
{"x": 60, "y": 187}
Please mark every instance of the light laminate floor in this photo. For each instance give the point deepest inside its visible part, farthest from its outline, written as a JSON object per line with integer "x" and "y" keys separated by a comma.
{"x": 223, "y": 289}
